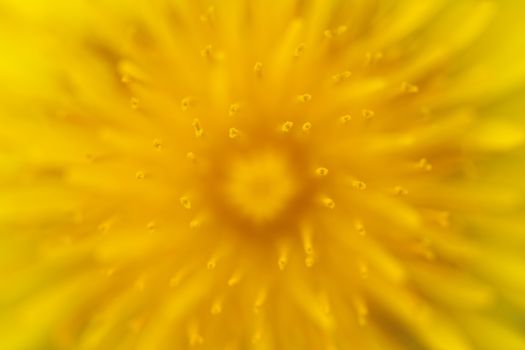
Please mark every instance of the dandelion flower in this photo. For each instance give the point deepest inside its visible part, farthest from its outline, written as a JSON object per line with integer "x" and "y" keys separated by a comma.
{"x": 295, "y": 174}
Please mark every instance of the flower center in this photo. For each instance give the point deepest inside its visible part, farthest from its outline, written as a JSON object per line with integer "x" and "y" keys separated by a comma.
{"x": 260, "y": 186}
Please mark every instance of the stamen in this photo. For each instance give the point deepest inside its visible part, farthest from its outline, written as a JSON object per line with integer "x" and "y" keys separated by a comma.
{"x": 197, "y": 127}
{"x": 207, "y": 52}
{"x": 341, "y": 30}
{"x": 233, "y": 133}
{"x": 151, "y": 226}
{"x": 361, "y": 310}
{"x": 259, "y": 301}
{"x": 194, "y": 336}
{"x": 328, "y": 34}
{"x": 373, "y": 57}
{"x": 360, "y": 228}
{"x": 304, "y": 98}
{"x": 185, "y": 104}
{"x": 368, "y": 114}
{"x": 360, "y": 185}
{"x": 191, "y": 157}
{"x": 185, "y": 202}
{"x": 408, "y": 88}
{"x": 287, "y": 127}
{"x": 328, "y": 202}
{"x": 234, "y": 279}
{"x": 363, "y": 269}
{"x": 134, "y": 102}
{"x": 345, "y": 119}
{"x": 212, "y": 263}
{"x": 234, "y": 109}
{"x": 283, "y": 258}
{"x": 299, "y": 50}
{"x": 400, "y": 191}
{"x": 307, "y": 127}
{"x": 342, "y": 77}
{"x": 423, "y": 164}
{"x": 157, "y": 143}
{"x": 321, "y": 171}
{"x": 195, "y": 224}
{"x": 257, "y": 69}
{"x": 216, "y": 307}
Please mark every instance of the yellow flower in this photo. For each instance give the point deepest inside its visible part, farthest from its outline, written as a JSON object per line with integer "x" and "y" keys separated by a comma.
{"x": 237, "y": 174}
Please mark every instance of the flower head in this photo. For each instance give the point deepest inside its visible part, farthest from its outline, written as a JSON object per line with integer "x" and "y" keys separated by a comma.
{"x": 261, "y": 175}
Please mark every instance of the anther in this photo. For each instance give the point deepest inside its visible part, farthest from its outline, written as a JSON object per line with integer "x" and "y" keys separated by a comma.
{"x": 408, "y": 88}
{"x": 304, "y": 98}
{"x": 140, "y": 175}
{"x": 309, "y": 261}
{"x": 259, "y": 301}
{"x": 129, "y": 72}
{"x": 306, "y": 235}
{"x": 341, "y": 30}
{"x": 194, "y": 336}
{"x": 363, "y": 269}
{"x": 212, "y": 263}
{"x": 299, "y": 50}
{"x": 321, "y": 171}
{"x": 360, "y": 228}
{"x": 207, "y": 52}
{"x": 345, "y": 119}
{"x": 287, "y": 127}
{"x": 197, "y": 126}
{"x": 157, "y": 143}
{"x": 257, "y": 336}
{"x": 134, "y": 102}
{"x": 361, "y": 310}
{"x": 342, "y": 77}
{"x": 209, "y": 15}
{"x": 360, "y": 185}
{"x": 328, "y": 34}
{"x": 195, "y": 224}
{"x": 328, "y": 202}
{"x": 185, "y": 104}
{"x": 423, "y": 164}
{"x": 373, "y": 57}
{"x": 368, "y": 114}
{"x": 234, "y": 279}
{"x": 216, "y": 307}
{"x": 283, "y": 261}
{"x": 176, "y": 279}
{"x": 104, "y": 227}
{"x": 324, "y": 303}
{"x": 306, "y": 127}
{"x": 400, "y": 191}
{"x": 257, "y": 69}
{"x": 191, "y": 156}
{"x": 151, "y": 226}
{"x": 233, "y": 133}
{"x": 234, "y": 109}
{"x": 185, "y": 202}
